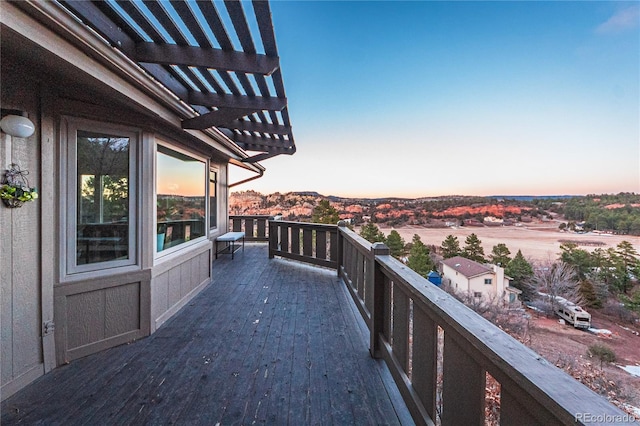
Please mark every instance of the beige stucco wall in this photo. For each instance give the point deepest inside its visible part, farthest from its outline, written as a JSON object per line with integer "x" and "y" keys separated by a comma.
{"x": 20, "y": 246}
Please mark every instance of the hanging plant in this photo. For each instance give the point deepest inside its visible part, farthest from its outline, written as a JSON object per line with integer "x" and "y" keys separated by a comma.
{"x": 15, "y": 189}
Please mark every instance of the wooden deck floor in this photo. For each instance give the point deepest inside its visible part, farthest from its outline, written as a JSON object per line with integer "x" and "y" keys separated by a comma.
{"x": 269, "y": 341}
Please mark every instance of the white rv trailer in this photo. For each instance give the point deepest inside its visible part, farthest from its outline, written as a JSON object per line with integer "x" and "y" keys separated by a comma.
{"x": 574, "y": 314}
{"x": 570, "y": 312}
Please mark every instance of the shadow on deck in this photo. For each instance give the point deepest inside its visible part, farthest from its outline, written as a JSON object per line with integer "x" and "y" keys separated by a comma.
{"x": 269, "y": 341}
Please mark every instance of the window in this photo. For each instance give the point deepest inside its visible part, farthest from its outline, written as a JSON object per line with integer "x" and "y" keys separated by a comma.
{"x": 487, "y": 280}
{"x": 477, "y": 294}
{"x": 100, "y": 214}
{"x": 180, "y": 198}
{"x": 213, "y": 198}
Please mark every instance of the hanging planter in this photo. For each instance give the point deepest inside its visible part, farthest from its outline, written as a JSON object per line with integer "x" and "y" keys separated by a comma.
{"x": 15, "y": 189}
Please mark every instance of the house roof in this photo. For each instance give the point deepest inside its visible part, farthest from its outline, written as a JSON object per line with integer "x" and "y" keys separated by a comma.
{"x": 215, "y": 61}
{"x": 467, "y": 267}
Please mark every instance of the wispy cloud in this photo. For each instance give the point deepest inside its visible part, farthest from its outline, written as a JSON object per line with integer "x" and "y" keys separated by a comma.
{"x": 622, "y": 20}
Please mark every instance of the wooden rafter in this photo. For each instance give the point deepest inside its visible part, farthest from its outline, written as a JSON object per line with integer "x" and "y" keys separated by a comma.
{"x": 172, "y": 54}
{"x": 254, "y": 103}
{"x": 260, "y": 143}
{"x": 251, "y": 126}
{"x": 224, "y": 117}
{"x": 264, "y": 156}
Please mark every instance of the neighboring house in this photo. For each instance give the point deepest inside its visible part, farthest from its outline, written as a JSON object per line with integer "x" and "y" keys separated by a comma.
{"x": 478, "y": 280}
{"x": 137, "y": 116}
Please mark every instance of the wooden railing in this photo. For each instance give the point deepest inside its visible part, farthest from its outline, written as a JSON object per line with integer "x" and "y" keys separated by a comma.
{"x": 308, "y": 242}
{"x": 405, "y": 313}
{"x": 439, "y": 351}
{"x": 255, "y": 227}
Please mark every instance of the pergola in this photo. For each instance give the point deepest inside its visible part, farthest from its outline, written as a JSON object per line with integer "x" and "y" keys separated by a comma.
{"x": 210, "y": 58}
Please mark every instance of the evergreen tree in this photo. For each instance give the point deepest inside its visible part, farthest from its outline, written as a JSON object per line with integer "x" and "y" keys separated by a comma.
{"x": 632, "y": 303}
{"x": 371, "y": 233}
{"x": 324, "y": 212}
{"x": 521, "y": 271}
{"x": 588, "y": 294}
{"x": 419, "y": 259}
{"x": 629, "y": 257}
{"x": 580, "y": 260}
{"x": 395, "y": 243}
{"x": 473, "y": 249}
{"x": 450, "y": 247}
{"x": 500, "y": 255}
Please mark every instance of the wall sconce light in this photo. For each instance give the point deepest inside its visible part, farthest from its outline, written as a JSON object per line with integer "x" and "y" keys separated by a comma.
{"x": 16, "y": 123}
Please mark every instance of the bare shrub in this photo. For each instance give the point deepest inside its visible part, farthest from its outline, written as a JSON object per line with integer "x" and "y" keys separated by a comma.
{"x": 544, "y": 307}
{"x": 601, "y": 352}
{"x": 619, "y": 311}
{"x": 557, "y": 279}
{"x": 513, "y": 321}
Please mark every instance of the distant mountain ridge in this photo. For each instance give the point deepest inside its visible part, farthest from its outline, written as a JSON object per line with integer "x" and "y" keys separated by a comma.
{"x": 391, "y": 211}
{"x": 532, "y": 197}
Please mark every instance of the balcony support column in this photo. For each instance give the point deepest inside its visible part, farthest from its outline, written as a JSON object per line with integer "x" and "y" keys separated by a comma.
{"x": 375, "y": 282}
{"x": 339, "y": 249}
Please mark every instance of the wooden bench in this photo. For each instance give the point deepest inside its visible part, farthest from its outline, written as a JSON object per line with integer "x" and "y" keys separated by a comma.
{"x": 230, "y": 238}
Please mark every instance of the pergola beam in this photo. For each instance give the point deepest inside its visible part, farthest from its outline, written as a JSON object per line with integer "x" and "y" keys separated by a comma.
{"x": 266, "y": 155}
{"x": 251, "y": 126}
{"x": 224, "y": 117}
{"x": 255, "y": 143}
{"x": 171, "y": 54}
{"x": 254, "y": 103}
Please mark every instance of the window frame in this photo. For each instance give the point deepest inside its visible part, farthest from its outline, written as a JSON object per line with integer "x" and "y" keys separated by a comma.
{"x": 173, "y": 147}
{"x": 213, "y": 169}
{"x": 69, "y": 198}
{"x": 488, "y": 281}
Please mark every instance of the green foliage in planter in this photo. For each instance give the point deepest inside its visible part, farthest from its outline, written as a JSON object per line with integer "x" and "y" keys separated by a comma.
{"x": 17, "y": 193}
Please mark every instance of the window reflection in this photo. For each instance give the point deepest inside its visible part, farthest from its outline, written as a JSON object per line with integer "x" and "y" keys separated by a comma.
{"x": 181, "y": 194}
{"x": 103, "y": 197}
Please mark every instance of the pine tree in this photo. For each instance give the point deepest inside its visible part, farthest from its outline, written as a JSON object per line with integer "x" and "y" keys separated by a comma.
{"x": 521, "y": 271}
{"x": 588, "y": 295}
{"x": 500, "y": 255}
{"x": 395, "y": 243}
{"x": 371, "y": 233}
{"x": 629, "y": 257}
{"x": 450, "y": 247}
{"x": 325, "y": 213}
{"x": 419, "y": 259}
{"x": 632, "y": 303}
{"x": 473, "y": 249}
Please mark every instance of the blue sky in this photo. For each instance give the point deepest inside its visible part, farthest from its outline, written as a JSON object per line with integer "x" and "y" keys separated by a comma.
{"x": 429, "y": 98}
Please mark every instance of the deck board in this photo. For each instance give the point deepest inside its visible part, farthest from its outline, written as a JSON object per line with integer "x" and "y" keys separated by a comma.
{"x": 267, "y": 342}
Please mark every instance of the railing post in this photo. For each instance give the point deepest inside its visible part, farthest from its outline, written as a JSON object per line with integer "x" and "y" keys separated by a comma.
{"x": 375, "y": 279}
{"x": 273, "y": 238}
{"x": 341, "y": 224}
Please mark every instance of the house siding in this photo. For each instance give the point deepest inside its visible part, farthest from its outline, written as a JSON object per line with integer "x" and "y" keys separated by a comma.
{"x": 20, "y": 253}
{"x": 461, "y": 283}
